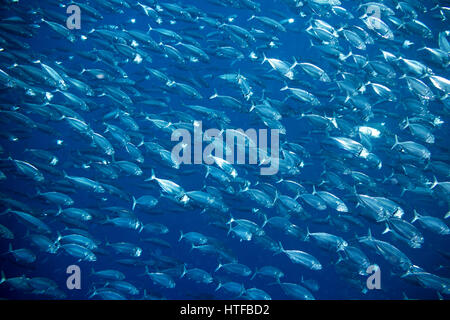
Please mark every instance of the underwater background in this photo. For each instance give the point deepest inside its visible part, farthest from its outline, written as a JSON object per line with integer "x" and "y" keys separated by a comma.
{"x": 155, "y": 99}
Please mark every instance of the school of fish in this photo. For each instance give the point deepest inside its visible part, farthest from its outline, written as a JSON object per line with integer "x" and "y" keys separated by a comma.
{"x": 359, "y": 91}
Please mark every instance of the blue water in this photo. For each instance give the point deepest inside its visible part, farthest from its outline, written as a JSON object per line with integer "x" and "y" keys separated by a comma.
{"x": 50, "y": 47}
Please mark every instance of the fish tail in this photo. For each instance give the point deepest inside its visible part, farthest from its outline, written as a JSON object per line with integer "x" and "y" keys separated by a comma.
{"x": 435, "y": 183}
{"x": 184, "y": 270}
{"x": 265, "y": 220}
{"x": 215, "y": 95}
{"x": 218, "y": 267}
{"x": 396, "y": 142}
{"x": 229, "y": 230}
{"x": 152, "y": 177}
{"x": 3, "y": 277}
{"x": 252, "y": 107}
{"x": 264, "y": 58}
{"x": 416, "y": 216}
{"x": 307, "y": 234}
{"x": 58, "y": 238}
{"x": 403, "y": 191}
{"x": 134, "y": 203}
{"x": 280, "y": 249}
{"x": 406, "y": 124}
{"x": 294, "y": 64}
{"x": 386, "y": 230}
{"x": 207, "y": 172}
{"x": 368, "y": 237}
{"x": 254, "y": 274}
